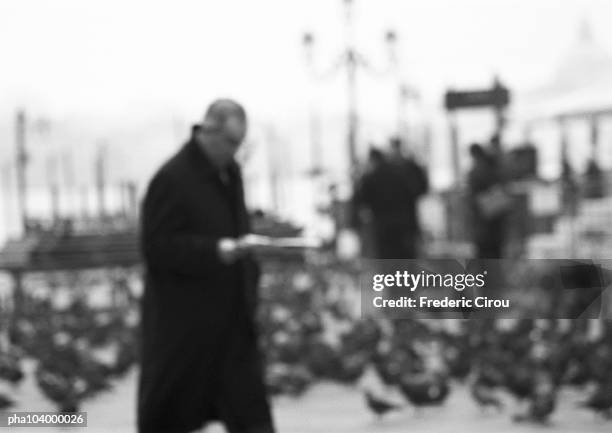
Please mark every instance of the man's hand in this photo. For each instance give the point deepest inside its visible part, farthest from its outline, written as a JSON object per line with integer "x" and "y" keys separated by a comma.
{"x": 230, "y": 249}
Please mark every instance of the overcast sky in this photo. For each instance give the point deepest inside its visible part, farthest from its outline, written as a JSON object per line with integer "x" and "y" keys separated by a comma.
{"x": 133, "y": 74}
{"x": 71, "y": 56}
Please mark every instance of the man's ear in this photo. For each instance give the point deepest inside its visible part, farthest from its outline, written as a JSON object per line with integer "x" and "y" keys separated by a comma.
{"x": 199, "y": 135}
{"x": 210, "y": 125}
{"x": 213, "y": 122}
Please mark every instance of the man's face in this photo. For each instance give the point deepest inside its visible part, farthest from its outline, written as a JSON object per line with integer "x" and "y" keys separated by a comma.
{"x": 227, "y": 141}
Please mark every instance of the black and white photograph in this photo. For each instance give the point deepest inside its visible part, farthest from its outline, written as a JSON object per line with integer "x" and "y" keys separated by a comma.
{"x": 292, "y": 216}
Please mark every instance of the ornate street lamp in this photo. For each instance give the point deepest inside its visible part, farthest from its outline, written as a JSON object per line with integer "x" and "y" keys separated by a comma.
{"x": 350, "y": 60}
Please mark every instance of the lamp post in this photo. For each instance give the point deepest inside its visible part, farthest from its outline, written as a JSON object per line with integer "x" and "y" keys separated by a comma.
{"x": 313, "y": 124}
{"x": 351, "y": 61}
{"x": 21, "y": 164}
{"x": 23, "y": 126}
{"x": 100, "y": 173}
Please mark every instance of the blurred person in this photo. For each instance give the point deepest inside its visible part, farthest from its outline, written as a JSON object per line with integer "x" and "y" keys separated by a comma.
{"x": 361, "y": 216}
{"x": 495, "y": 147}
{"x": 594, "y": 180}
{"x": 200, "y": 359}
{"x": 417, "y": 179}
{"x": 384, "y": 204}
{"x": 497, "y": 155}
{"x": 488, "y": 205}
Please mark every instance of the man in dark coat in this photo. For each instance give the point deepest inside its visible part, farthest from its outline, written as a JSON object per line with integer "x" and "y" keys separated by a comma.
{"x": 417, "y": 180}
{"x": 387, "y": 196}
{"x": 488, "y": 232}
{"x": 200, "y": 359}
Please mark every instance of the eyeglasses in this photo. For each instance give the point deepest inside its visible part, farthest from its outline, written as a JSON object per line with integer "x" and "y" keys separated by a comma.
{"x": 230, "y": 139}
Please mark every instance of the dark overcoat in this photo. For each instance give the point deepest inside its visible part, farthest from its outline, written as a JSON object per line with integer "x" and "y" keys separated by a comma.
{"x": 200, "y": 360}
{"x": 390, "y": 192}
{"x": 488, "y": 233}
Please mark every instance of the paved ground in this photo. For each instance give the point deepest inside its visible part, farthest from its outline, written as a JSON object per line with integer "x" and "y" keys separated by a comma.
{"x": 330, "y": 408}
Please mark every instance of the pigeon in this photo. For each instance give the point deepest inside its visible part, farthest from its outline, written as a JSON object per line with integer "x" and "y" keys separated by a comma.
{"x": 519, "y": 381}
{"x": 542, "y": 405}
{"x": 60, "y": 389}
{"x": 601, "y": 400}
{"x": 287, "y": 379}
{"x": 5, "y": 402}
{"x": 379, "y": 406}
{"x": 10, "y": 370}
{"x": 483, "y": 395}
{"x": 424, "y": 390}
{"x": 542, "y": 402}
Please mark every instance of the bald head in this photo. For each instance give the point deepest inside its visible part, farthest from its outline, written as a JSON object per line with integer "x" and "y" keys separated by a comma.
{"x": 223, "y": 130}
{"x": 223, "y": 113}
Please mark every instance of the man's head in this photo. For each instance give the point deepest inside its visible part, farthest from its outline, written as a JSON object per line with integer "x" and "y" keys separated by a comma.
{"x": 477, "y": 152}
{"x": 396, "y": 145}
{"x": 222, "y": 131}
{"x": 376, "y": 157}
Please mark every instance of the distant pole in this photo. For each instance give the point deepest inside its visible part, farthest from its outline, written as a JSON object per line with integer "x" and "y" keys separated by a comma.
{"x": 68, "y": 176}
{"x": 55, "y": 201}
{"x": 132, "y": 197}
{"x": 21, "y": 165}
{"x": 351, "y": 75}
{"x": 7, "y": 194}
{"x": 455, "y": 156}
{"x": 594, "y": 136}
{"x": 568, "y": 188}
{"x": 352, "y": 114}
{"x": 100, "y": 168}
{"x": 313, "y": 122}
{"x": 125, "y": 192}
{"x": 54, "y": 190}
{"x": 500, "y": 112}
{"x": 274, "y": 170}
{"x": 84, "y": 202}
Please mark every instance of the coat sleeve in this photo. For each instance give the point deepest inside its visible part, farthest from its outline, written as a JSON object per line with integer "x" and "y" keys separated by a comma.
{"x": 422, "y": 180}
{"x": 167, "y": 243}
{"x": 356, "y": 204}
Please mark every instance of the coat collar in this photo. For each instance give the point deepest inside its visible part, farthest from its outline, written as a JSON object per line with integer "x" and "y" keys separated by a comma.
{"x": 204, "y": 166}
{"x": 200, "y": 161}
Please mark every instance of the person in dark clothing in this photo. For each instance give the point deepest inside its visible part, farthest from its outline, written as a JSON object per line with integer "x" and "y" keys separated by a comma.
{"x": 200, "y": 360}
{"x": 386, "y": 199}
{"x": 416, "y": 178}
{"x": 487, "y": 230}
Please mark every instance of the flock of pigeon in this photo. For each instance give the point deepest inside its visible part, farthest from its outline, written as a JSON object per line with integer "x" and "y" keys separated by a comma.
{"x": 531, "y": 361}
{"x": 312, "y": 331}
{"x": 79, "y": 350}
